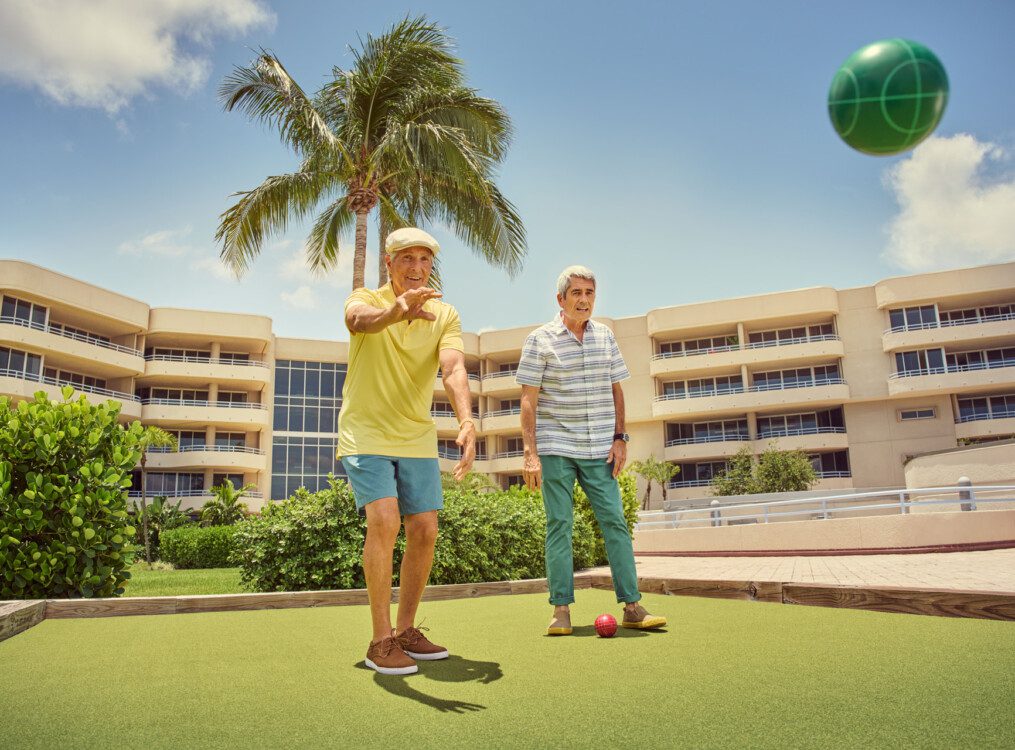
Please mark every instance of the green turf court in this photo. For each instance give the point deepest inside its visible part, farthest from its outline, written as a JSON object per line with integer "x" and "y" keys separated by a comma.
{"x": 725, "y": 673}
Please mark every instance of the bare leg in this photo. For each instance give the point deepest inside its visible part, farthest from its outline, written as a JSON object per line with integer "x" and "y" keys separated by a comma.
{"x": 383, "y": 523}
{"x": 420, "y": 537}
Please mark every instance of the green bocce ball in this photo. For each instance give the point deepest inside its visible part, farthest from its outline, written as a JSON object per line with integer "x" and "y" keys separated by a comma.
{"x": 888, "y": 96}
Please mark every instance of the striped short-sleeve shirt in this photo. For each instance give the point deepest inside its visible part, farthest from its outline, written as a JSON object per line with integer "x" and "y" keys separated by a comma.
{"x": 575, "y": 416}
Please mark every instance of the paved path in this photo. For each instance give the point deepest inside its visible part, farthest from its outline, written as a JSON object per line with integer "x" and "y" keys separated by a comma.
{"x": 992, "y": 570}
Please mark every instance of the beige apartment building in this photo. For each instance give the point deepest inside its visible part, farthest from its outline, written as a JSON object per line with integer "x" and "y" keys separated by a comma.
{"x": 860, "y": 379}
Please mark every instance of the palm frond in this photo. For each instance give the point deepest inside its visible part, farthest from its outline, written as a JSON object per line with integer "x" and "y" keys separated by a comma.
{"x": 323, "y": 243}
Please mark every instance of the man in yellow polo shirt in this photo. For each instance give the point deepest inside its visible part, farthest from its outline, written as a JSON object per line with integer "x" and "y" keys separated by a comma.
{"x": 400, "y": 334}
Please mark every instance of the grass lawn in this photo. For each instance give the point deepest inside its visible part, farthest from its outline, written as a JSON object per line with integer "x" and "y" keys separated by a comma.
{"x": 725, "y": 674}
{"x": 145, "y": 582}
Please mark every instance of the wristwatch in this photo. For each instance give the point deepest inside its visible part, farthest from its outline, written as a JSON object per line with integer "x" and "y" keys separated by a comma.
{"x": 622, "y": 436}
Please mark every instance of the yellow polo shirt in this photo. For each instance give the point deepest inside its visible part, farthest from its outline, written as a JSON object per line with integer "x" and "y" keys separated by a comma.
{"x": 388, "y": 390}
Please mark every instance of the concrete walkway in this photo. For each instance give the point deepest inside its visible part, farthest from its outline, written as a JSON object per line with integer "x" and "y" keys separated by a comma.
{"x": 992, "y": 570}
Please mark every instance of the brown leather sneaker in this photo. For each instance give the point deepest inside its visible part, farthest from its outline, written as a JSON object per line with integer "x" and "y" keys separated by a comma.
{"x": 387, "y": 657}
{"x": 638, "y": 617}
{"x": 418, "y": 646}
{"x": 559, "y": 625}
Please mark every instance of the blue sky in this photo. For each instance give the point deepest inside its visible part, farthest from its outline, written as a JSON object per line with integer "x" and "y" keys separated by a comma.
{"x": 682, "y": 150}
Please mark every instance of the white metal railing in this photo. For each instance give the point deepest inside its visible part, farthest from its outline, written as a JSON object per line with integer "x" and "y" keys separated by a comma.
{"x": 503, "y": 412}
{"x": 696, "y": 352}
{"x": 60, "y": 382}
{"x": 720, "y": 391}
{"x": 57, "y": 331}
{"x": 509, "y": 454}
{"x": 500, "y": 374}
{"x": 676, "y": 484}
{"x": 797, "y": 340}
{"x": 824, "y": 507}
{"x": 188, "y": 493}
{"x": 950, "y": 323}
{"x": 763, "y": 434}
{"x": 952, "y": 368}
{"x": 201, "y": 447}
{"x": 782, "y": 386}
{"x": 994, "y": 414}
{"x": 209, "y": 360}
{"x": 708, "y": 439}
{"x": 202, "y": 404}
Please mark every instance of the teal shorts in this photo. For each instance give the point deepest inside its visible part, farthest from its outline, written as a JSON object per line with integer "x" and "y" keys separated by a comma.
{"x": 416, "y": 482}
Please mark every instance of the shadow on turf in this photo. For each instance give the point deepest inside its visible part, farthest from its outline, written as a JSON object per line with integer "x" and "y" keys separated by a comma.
{"x": 452, "y": 669}
{"x": 588, "y": 631}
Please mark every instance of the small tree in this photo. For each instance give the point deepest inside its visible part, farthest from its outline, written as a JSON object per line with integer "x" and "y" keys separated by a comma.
{"x": 738, "y": 478}
{"x": 775, "y": 471}
{"x": 151, "y": 437}
{"x": 225, "y": 508}
{"x": 654, "y": 470}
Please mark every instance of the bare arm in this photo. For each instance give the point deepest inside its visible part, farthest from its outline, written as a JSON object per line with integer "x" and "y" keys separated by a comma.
{"x": 364, "y": 318}
{"x": 618, "y": 451}
{"x": 532, "y": 470}
{"x": 456, "y": 385}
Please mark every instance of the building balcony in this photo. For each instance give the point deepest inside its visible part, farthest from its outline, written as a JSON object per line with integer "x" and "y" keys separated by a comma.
{"x": 195, "y": 499}
{"x": 502, "y": 421}
{"x": 737, "y": 400}
{"x": 506, "y": 462}
{"x": 228, "y": 458}
{"x": 183, "y": 412}
{"x": 23, "y": 387}
{"x": 495, "y": 383}
{"x": 788, "y": 352}
{"x": 76, "y": 351}
{"x": 165, "y": 369}
{"x": 706, "y": 446}
{"x": 983, "y": 331}
{"x": 805, "y": 439}
{"x": 951, "y": 379}
{"x": 446, "y": 421}
{"x": 998, "y": 422}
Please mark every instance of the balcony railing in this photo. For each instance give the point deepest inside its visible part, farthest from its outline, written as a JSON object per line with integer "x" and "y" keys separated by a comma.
{"x": 720, "y": 391}
{"x": 783, "y": 386}
{"x": 201, "y": 404}
{"x": 501, "y": 374}
{"x": 979, "y": 416}
{"x": 953, "y": 368}
{"x": 950, "y": 323}
{"x": 503, "y": 412}
{"x": 457, "y": 454}
{"x": 797, "y": 340}
{"x": 187, "y": 493}
{"x": 696, "y": 352}
{"x": 205, "y": 360}
{"x": 509, "y": 454}
{"x": 83, "y": 337}
{"x": 727, "y": 437}
{"x": 677, "y": 484}
{"x": 60, "y": 382}
{"x": 779, "y": 432}
{"x": 833, "y": 474}
{"x": 201, "y": 448}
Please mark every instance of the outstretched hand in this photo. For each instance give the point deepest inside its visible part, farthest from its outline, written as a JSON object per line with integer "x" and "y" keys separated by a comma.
{"x": 410, "y": 303}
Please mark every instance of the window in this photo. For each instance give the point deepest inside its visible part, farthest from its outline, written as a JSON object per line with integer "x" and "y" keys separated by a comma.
{"x": 514, "y": 445}
{"x": 23, "y": 313}
{"x": 19, "y": 364}
{"x": 219, "y": 479}
{"x": 909, "y": 415}
{"x": 302, "y": 461}
{"x": 507, "y": 367}
{"x": 832, "y": 464}
{"x": 230, "y": 439}
{"x": 232, "y": 397}
{"x": 308, "y": 396}
{"x": 920, "y": 362}
{"x": 913, "y": 318}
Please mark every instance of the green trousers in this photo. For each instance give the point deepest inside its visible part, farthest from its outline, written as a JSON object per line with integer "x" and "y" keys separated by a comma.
{"x": 595, "y": 477}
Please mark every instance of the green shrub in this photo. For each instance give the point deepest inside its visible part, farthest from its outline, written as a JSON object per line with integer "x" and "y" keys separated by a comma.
{"x": 161, "y": 517}
{"x": 315, "y": 541}
{"x": 199, "y": 546}
{"x": 64, "y": 467}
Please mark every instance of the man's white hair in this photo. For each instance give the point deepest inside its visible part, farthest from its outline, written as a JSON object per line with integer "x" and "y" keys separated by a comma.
{"x": 564, "y": 280}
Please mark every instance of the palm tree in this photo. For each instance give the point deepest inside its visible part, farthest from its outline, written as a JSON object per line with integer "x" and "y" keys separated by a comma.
{"x": 654, "y": 470}
{"x": 151, "y": 437}
{"x": 399, "y": 132}
{"x": 225, "y": 508}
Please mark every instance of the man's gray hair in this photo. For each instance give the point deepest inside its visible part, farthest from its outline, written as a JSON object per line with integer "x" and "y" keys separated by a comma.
{"x": 564, "y": 280}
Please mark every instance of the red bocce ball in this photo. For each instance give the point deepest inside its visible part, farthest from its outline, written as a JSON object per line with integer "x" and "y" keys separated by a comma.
{"x": 606, "y": 626}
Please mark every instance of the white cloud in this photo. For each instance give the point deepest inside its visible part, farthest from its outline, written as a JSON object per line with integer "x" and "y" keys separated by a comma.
{"x": 213, "y": 266}
{"x": 103, "y": 53}
{"x": 303, "y": 298}
{"x": 165, "y": 243}
{"x": 950, "y": 213}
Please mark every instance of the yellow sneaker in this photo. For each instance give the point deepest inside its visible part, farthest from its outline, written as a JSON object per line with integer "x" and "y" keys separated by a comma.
{"x": 560, "y": 625}
{"x": 638, "y": 617}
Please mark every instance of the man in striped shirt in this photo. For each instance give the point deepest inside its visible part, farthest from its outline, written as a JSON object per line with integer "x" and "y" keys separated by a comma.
{"x": 573, "y": 428}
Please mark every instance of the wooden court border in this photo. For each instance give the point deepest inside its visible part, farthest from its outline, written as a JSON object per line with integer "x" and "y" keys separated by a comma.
{"x": 18, "y": 616}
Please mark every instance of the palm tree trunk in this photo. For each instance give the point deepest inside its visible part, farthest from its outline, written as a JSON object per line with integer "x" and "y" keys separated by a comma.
{"x": 144, "y": 511}
{"x": 648, "y": 495}
{"x": 382, "y": 269}
{"x": 359, "y": 258}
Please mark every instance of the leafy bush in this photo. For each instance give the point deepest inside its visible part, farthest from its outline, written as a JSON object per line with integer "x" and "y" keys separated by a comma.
{"x": 199, "y": 546}
{"x": 64, "y": 467}
{"x": 315, "y": 541}
{"x": 161, "y": 517}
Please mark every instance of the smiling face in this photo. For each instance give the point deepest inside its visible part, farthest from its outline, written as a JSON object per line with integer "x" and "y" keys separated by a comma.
{"x": 409, "y": 269}
{"x": 579, "y": 299}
